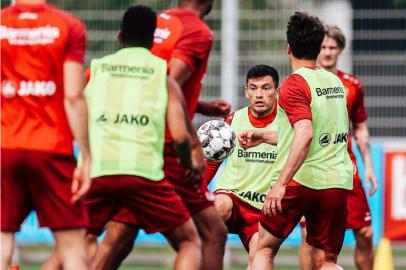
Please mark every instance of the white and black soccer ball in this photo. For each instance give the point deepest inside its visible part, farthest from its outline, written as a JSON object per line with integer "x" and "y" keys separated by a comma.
{"x": 217, "y": 139}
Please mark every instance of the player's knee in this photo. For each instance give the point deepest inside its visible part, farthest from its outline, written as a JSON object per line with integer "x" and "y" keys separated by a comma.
{"x": 325, "y": 260}
{"x": 218, "y": 235}
{"x": 192, "y": 241}
{"x": 224, "y": 206}
{"x": 7, "y": 248}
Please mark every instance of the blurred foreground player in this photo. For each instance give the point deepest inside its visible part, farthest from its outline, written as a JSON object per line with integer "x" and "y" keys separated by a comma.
{"x": 184, "y": 41}
{"x": 42, "y": 104}
{"x": 130, "y": 99}
{"x": 313, "y": 164}
{"x": 359, "y": 216}
{"x": 242, "y": 186}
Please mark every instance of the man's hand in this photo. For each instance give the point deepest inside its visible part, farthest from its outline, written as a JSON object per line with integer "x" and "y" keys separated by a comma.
{"x": 217, "y": 107}
{"x": 250, "y": 138}
{"x": 370, "y": 179}
{"x": 195, "y": 174}
{"x": 273, "y": 201}
{"x": 81, "y": 180}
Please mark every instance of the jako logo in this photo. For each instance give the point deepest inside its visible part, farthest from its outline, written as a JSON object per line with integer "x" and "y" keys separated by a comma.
{"x": 324, "y": 139}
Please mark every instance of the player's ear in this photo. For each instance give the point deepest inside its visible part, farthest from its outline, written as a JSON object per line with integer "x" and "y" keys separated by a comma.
{"x": 246, "y": 91}
{"x": 120, "y": 38}
{"x": 289, "y": 50}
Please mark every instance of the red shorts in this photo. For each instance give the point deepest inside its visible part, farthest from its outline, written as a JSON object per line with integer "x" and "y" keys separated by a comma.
{"x": 42, "y": 182}
{"x": 126, "y": 216}
{"x": 195, "y": 197}
{"x": 244, "y": 218}
{"x": 325, "y": 212}
{"x": 359, "y": 214}
{"x": 154, "y": 203}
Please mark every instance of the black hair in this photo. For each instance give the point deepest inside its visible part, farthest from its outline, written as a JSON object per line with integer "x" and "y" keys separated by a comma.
{"x": 138, "y": 26}
{"x": 261, "y": 71}
{"x": 305, "y": 35}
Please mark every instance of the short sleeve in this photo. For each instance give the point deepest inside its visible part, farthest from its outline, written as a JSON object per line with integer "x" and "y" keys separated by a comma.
{"x": 229, "y": 118}
{"x": 193, "y": 48}
{"x": 76, "y": 46}
{"x": 359, "y": 113}
{"x": 295, "y": 98}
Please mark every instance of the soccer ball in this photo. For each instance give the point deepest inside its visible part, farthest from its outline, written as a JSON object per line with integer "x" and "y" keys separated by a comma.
{"x": 217, "y": 139}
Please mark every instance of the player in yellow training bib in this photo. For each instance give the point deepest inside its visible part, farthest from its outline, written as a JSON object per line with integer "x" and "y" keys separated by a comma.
{"x": 242, "y": 186}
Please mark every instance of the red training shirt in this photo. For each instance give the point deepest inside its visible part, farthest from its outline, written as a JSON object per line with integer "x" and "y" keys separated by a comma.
{"x": 182, "y": 34}
{"x": 36, "y": 40}
{"x": 355, "y": 104}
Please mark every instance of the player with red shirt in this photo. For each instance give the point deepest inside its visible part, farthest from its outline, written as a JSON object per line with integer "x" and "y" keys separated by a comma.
{"x": 313, "y": 164}
{"x": 42, "y": 104}
{"x": 241, "y": 187}
{"x": 359, "y": 217}
{"x": 184, "y": 41}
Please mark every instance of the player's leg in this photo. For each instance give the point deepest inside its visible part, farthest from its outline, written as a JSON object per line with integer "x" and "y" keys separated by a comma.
{"x": 322, "y": 259}
{"x": 359, "y": 220}
{"x": 116, "y": 246}
{"x": 53, "y": 262}
{"x": 16, "y": 201}
{"x": 326, "y": 224}
{"x": 158, "y": 208}
{"x": 213, "y": 233}
{"x": 211, "y": 228}
{"x": 267, "y": 248}
{"x": 7, "y": 248}
{"x": 305, "y": 251}
{"x": 364, "y": 250}
{"x": 71, "y": 249}
{"x": 224, "y": 205}
{"x": 252, "y": 249}
{"x": 187, "y": 244}
{"x": 51, "y": 195}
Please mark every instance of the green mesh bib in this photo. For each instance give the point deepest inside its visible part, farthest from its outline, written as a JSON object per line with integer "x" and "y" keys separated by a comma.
{"x": 247, "y": 172}
{"x": 328, "y": 164}
{"x": 127, "y": 99}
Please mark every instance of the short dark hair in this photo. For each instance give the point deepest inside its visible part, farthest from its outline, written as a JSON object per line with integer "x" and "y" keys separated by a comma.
{"x": 335, "y": 33}
{"x": 138, "y": 26}
{"x": 305, "y": 35}
{"x": 261, "y": 71}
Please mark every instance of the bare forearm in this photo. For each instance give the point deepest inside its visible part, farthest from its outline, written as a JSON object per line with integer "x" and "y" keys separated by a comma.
{"x": 298, "y": 152}
{"x": 76, "y": 112}
{"x": 361, "y": 135}
{"x": 270, "y": 137}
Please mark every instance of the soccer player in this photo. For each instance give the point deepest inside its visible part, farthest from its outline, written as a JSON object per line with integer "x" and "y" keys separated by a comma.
{"x": 313, "y": 164}
{"x": 242, "y": 186}
{"x": 42, "y": 105}
{"x": 130, "y": 99}
{"x": 359, "y": 217}
{"x": 184, "y": 41}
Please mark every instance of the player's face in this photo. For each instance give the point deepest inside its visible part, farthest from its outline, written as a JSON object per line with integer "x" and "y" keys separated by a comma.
{"x": 261, "y": 93}
{"x": 329, "y": 53}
